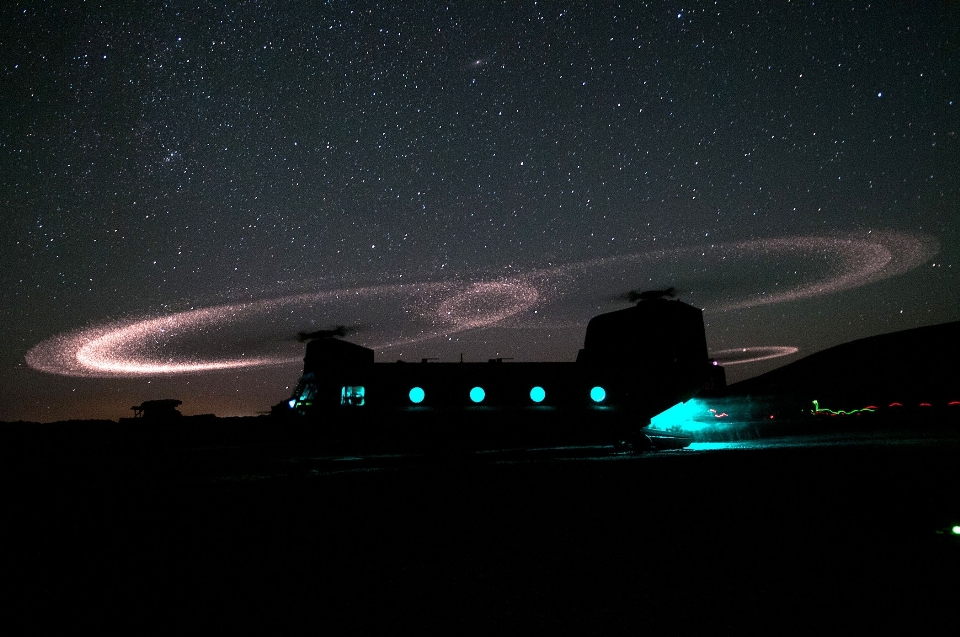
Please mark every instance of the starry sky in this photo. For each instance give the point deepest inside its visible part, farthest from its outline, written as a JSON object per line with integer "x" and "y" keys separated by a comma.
{"x": 185, "y": 185}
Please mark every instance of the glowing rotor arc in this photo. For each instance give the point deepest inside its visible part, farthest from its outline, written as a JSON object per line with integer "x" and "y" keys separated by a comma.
{"x": 742, "y": 355}
{"x": 128, "y": 348}
{"x": 420, "y": 311}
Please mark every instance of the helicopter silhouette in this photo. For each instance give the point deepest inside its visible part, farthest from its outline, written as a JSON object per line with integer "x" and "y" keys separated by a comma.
{"x": 634, "y": 296}
{"x": 338, "y": 331}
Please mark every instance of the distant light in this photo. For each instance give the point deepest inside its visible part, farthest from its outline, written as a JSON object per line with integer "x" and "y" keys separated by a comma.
{"x": 956, "y": 529}
{"x": 417, "y": 395}
{"x": 537, "y": 394}
{"x": 598, "y": 394}
{"x": 292, "y": 402}
{"x": 477, "y": 394}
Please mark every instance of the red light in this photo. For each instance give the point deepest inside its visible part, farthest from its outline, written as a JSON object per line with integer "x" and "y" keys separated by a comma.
{"x": 771, "y": 416}
{"x": 954, "y": 402}
{"x": 896, "y": 404}
{"x": 925, "y": 405}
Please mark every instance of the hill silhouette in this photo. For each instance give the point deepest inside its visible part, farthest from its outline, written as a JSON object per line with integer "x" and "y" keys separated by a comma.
{"x": 919, "y": 363}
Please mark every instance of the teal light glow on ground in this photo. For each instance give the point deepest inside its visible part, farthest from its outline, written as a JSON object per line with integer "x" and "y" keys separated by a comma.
{"x": 477, "y": 394}
{"x": 687, "y": 417}
{"x": 417, "y": 395}
{"x": 598, "y": 394}
{"x": 537, "y": 394}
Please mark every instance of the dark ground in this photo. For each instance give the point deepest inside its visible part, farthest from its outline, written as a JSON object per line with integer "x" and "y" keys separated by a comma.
{"x": 820, "y": 534}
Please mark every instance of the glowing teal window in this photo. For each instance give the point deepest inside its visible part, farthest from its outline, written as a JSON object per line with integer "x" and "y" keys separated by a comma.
{"x": 537, "y": 394}
{"x": 292, "y": 402}
{"x": 352, "y": 395}
{"x": 598, "y": 394}
{"x": 417, "y": 395}
{"x": 477, "y": 394}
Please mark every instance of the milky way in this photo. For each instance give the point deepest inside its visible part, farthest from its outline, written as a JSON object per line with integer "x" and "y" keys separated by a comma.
{"x": 244, "y": 335}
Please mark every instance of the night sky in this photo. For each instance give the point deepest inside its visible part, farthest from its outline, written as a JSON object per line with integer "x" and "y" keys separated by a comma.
{"x": 184, "y": 186}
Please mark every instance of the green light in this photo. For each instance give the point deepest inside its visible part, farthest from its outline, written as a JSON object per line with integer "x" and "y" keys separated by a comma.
{"x": 477, "y": 394}
{"x": 819, "y": 410}
{"x": 417, "y": 395}
{"x": 955, "y": 530}
{"x": 537, "y": 394}
{"x": 598, "y": 394}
